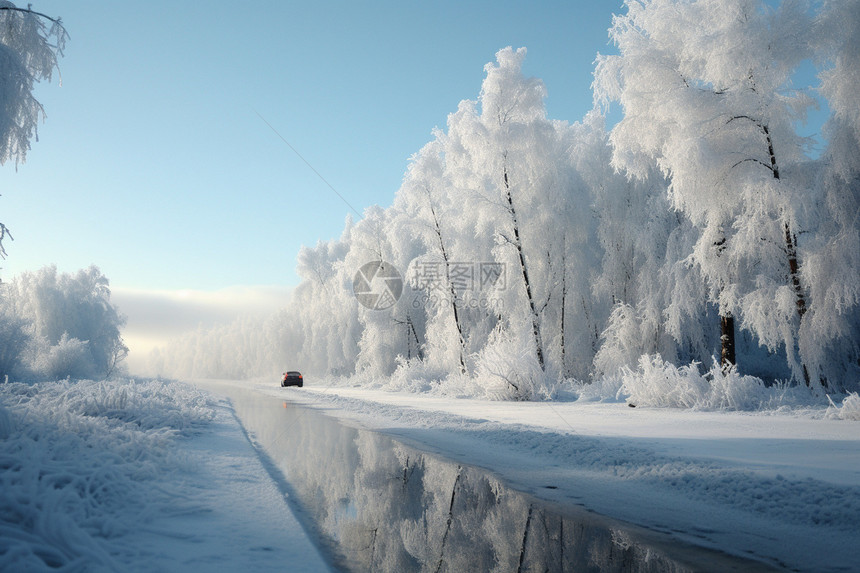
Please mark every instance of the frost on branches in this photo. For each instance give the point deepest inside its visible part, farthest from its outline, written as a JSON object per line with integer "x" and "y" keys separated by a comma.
{"x": 30, "y": 43}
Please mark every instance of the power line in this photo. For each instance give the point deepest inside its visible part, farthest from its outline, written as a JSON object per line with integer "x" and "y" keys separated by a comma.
{"x": 323, "y": 179}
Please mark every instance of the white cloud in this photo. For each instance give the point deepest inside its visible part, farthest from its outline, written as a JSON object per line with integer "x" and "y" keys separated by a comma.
{"x": 156, "y": 316}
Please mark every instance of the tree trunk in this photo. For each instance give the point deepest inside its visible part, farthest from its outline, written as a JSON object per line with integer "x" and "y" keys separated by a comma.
{"x": 790, "y": 239}
{"x": 727, "y": 325}
{"x": 563, "y": 301}
{"x": 410, "y": 330}
{"x": 791, "y": 254}
{"x": 453, "y": 293}
{"x": 727, "y": 341}
{"x": 525, "y": 272}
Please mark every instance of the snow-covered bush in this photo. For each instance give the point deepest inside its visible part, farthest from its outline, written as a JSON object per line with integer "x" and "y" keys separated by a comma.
{"x": 6, "y": 426}
{"x": 662, "y": 384}
{"x": 60, "y": 325}
{"x": 732, "y": 391}
{"x": 601, "y": 389}
{"x": 14, "y": 337}
{"x": 659, "y": 383}
{"x": 415, "y": 375}
{"x": 507, "y": 370}
{"x": 848, "y": 410}
{"x": 69, "y": 357}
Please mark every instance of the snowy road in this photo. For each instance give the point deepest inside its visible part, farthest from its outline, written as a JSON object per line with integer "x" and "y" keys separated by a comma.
{"x": 243, "y": 523}
{"x": 780, "y": 488}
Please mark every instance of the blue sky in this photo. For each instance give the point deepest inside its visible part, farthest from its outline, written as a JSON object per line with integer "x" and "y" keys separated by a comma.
{"x": 154, "y": 165}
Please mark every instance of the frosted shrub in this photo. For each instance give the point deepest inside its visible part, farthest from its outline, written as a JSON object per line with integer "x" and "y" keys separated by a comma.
{"x": 732, "y": 391}
{"x": 602, "y": 389}
{"x": 848, "y": 410}
{"x": 60, "y": 325}
{"x": 13, "y": 340}
{"x": 6, "y": 425}
{"x": 661, "y": 384}
{"x": 70, "y": 357}
{"x": 508, "y": 370}
{"x": 415, "y": 376}
{"x": 148, "y": 404}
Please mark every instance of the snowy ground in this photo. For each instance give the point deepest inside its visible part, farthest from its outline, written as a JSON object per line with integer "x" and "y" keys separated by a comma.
{"x": 137, "y": 476}
{"x": 147, "y": 475}
{"x": 780, "y": 487}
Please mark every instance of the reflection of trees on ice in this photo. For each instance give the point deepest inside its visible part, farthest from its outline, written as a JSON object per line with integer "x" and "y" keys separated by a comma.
{"x": 385, "y": 507}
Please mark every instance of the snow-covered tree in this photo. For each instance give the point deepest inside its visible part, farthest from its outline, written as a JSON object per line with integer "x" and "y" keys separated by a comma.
{"x": 427, "y": 196}
{"x": 516, "y": 138}
{"x": 30, "y": 43}
{"x": 72, "y": 327}
{"x": 515, "y": 167}
{"x": 830, "y": 333}
{"x": 325, "y": 309}
{"x": 704, "y": 87}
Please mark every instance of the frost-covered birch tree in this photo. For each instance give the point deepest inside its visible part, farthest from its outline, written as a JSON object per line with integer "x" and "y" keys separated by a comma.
{"x": 705, "y": 91}
{"x": 427, "y": 192}
{"x": 30, "y": 44}
{"x": 520, "y": 172}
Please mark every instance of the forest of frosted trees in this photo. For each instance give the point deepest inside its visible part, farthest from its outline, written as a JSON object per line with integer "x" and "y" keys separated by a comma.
{"x": 700, "y": 233}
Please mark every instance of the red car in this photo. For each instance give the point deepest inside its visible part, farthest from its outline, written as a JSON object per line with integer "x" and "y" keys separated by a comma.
{"x": 292, "y": 378}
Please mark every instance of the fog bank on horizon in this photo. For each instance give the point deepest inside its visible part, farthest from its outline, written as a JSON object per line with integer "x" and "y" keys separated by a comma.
{"x": 157, "y": 316}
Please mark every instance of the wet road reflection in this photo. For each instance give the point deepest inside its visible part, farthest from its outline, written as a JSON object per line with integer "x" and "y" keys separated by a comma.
{"x": 379, "y": 505}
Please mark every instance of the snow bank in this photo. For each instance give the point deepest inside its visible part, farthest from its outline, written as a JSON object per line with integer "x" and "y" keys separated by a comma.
{"x": 655, "y": 383}
{"x": 499, "y": 376}
{"x": 82, "y": 464}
